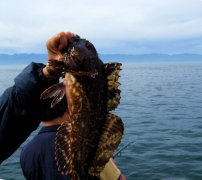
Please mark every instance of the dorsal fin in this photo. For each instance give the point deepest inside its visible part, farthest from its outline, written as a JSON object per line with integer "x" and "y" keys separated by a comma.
{"x": 113, "y": 92}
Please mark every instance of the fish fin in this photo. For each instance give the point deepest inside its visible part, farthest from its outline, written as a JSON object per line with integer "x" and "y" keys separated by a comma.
{"x": 52, "y": 91}
{"x": 58, "y": 98}
{"x": 58, "y": 65}
{"x": 112, "y": 71}
{"x": 56, "y": 91}
{"x": 62, "y": 147}
{"x": 109, "y": 141}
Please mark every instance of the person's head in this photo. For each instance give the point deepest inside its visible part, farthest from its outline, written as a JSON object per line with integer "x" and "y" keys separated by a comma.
{"x": 49, "y": 114}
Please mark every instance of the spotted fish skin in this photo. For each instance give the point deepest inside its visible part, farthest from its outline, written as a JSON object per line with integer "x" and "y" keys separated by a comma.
{"x": 87, "y": 140}
{"x": 83, "y": 131}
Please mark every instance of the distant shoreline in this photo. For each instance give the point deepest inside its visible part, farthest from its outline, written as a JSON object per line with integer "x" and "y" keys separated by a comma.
{"x": 6, "y": 59}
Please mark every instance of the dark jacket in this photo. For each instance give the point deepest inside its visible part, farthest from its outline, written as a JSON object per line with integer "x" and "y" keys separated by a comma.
{"x": 37, "y": 157}
{"x": 19, "y": 108}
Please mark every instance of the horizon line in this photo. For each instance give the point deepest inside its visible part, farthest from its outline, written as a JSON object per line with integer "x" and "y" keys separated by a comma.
{"x": 169, "y": 54}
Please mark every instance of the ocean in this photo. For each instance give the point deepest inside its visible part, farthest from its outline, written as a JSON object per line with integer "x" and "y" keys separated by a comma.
{"x": 161, "y": 107}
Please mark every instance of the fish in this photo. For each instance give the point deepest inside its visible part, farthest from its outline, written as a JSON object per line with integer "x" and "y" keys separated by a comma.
{"x": 86, "y": 141}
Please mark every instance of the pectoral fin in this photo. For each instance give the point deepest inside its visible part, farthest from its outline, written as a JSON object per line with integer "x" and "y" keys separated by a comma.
{"x": 109, "y": 141}
{"x": 56, "y": 91}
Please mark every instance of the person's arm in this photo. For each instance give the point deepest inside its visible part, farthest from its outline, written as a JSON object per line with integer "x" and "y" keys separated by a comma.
{"x": 19, "y": 104}
{"x": 19, "y": 110}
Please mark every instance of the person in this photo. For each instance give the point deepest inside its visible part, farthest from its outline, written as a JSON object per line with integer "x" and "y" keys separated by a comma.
{"x": 37, "y": 157}
{"x": 21, "y": 112}
{"x": 20, "y": 105}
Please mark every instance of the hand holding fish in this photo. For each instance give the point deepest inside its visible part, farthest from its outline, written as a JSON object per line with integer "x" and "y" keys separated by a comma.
{"x": 57, "y": 43}
{"x": 55, "y": 46}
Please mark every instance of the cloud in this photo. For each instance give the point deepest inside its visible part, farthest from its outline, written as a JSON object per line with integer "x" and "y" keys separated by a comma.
{"x": 26, "y": 25}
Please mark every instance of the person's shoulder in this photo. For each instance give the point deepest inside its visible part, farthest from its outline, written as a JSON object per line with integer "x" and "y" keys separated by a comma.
{"x": 41, "y": 142}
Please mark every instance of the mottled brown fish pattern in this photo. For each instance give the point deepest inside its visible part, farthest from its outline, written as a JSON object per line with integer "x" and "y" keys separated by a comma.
{"x": 87, "y": 140}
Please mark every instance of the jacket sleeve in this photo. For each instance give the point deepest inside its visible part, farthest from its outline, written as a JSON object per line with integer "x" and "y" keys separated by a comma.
{"x": 19, "y": 108}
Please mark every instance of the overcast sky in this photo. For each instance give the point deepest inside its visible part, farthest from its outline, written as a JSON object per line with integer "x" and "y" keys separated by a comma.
{"x": 113, "y": 26}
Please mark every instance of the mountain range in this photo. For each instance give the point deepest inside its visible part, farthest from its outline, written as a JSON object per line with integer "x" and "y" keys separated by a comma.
{"x": 27, "y": 58}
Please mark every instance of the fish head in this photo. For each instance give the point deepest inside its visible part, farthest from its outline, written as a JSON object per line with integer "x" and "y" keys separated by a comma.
{"x": 80, "y": 55}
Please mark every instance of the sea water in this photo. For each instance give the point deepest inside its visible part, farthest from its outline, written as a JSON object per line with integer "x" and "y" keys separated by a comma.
{"x": 161, "y": 108}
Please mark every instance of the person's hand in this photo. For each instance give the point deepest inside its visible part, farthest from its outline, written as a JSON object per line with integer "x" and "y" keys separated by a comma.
{"x": 55, "y": 45}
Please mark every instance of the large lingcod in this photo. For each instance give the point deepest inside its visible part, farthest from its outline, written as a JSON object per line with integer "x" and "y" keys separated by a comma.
{"x": 87, "y": 140}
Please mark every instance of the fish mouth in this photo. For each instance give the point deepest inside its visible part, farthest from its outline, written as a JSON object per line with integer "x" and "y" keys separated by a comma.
{"x": 79, "y": 55}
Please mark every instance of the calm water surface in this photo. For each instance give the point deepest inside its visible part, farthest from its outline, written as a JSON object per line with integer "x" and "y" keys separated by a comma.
{"x": 161, "y": 107}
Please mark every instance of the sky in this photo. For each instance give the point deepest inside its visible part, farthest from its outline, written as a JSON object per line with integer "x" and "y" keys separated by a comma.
{"x": 113, "y": 26}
